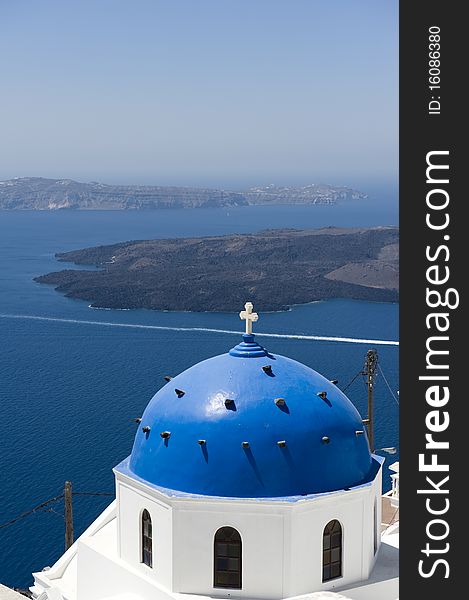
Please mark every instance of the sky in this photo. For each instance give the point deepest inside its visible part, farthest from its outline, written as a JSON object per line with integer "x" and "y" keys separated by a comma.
{"x": 222, "y": 93}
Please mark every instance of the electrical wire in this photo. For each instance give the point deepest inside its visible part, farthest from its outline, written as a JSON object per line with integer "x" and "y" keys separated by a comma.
{"x": 353, "y": 379}
{"x": 33, "y": 510}
{"x": 387, "y": 383}
{"x": 42, "y": 507}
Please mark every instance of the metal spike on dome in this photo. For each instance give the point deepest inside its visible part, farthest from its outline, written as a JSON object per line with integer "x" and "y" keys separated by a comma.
{"x": 245, "y": 444}
{"x": 146, "y": 429}
{"x": 280, "y": 401}
{"x": 335, "y": 381}
{"x": 325, "y": 439}
{"x": 202, "y": 442}
{"x": 281, "y": 443}
{"x": 359, "y": 432}
{"x": 229, "y": 402}
{"x": 267, "y": 369}
{"x": 179, "y": 393}
{"x": 138, "y": 420}
{"x": 322, "y": 395}
{"x": 165, "y": 434}
{"x": 167, "y": 377}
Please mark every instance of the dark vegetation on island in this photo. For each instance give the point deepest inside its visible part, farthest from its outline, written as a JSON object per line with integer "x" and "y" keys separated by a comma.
{"x": 274, "y": 269}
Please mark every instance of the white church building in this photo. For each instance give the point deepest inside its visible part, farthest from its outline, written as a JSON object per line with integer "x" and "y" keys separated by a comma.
{"x": 251, "y": 477}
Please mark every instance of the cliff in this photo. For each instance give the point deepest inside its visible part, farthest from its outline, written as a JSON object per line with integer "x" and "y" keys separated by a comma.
{"x": 38, "y": 193}
{"x": 274, "y": 269}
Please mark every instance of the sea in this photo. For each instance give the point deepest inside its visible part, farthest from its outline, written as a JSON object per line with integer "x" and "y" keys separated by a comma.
{"x": 73, "y": 379}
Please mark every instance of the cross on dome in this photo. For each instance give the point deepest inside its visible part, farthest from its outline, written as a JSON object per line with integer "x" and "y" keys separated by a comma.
{"x": 248, "y": 316}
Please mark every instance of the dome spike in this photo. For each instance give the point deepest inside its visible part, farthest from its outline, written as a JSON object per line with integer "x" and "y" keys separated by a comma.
{"x": 230, "y": 404}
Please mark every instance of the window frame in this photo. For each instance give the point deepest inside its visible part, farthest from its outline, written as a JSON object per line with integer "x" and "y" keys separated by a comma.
{"x": 238, "y": 543}
{"x": 330, "y": 532}
{"x": 146, "y": 554}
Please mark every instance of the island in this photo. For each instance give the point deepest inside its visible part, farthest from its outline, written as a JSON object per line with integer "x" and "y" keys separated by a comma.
{"x": 275, "y": 269}
{"x": 39, "y": 193}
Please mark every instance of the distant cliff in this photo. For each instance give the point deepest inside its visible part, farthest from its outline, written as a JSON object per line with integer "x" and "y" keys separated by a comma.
{"x": 274, "y": 269}
{"x": 38, "y": 193}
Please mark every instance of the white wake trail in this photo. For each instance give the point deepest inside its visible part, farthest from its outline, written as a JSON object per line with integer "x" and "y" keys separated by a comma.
{"x": 291, "y": 336}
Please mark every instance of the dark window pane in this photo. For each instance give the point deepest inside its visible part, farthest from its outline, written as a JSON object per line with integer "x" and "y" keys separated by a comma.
{"x": 335, "y": 555}
{"x": 326, "y": 572}
{"x": 147, "y": 559}
{"x": 233, "y": 579}
{"x": 336, "y": 540}
{"x": 335, "y": 570}
{"x": 326, "y": 542}
{"x": 222, "y": 549}
{"x": 326, "y": 557}
{"x": 222, "y": 564}
{"x": 222, "y": 577}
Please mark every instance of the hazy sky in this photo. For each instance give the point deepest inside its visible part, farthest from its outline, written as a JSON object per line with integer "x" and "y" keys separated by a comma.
{"x": 200, "y": 92}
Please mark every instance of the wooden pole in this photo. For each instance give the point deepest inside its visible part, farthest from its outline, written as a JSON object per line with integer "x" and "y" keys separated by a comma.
{"x": 68, "y": 514}
{"x": 370, "y": 368}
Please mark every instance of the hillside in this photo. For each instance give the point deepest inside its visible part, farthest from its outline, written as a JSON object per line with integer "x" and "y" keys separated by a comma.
{"x": 274, "y": 268}
{"x": 38, "y": 193}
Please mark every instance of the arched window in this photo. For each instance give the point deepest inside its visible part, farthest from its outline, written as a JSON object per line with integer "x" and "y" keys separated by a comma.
{"x": 332, "y": 551}
{"x": 227, "y": 559}
{"x": 147, "y": 542}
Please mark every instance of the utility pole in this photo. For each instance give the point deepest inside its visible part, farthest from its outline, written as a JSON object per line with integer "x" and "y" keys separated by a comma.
{"x": 371, "y": 362}
{"x": 68, "y": 514}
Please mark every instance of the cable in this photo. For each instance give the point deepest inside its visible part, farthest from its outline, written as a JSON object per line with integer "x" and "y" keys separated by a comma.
{"x": 51, "y": 510}
{"x": 92, "y": 494}
{"x": 391, "y": 521}
{"x": 33, "y": 510}
{"x": 43, "y": 505}
{"x": 349, "y": 384}
{"x": 387, "y": 383}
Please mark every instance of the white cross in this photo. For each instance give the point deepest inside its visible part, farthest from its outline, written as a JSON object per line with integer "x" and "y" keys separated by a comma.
{"x": 248, "y": 316}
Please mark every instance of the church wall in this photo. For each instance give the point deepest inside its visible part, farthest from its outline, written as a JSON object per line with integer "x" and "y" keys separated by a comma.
{"x": 371, "y": 500}
{"x": 132, "y": 501}
{"x": 281, "y": 541}
{"x": 377, "y": 501}
{"x": 305, "y": 553}
{"x": 261, "y": 530}
{"x": 115, "y": 577}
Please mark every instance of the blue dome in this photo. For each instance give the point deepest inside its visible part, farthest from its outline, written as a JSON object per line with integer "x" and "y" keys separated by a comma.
{"x": 250, "y": 424}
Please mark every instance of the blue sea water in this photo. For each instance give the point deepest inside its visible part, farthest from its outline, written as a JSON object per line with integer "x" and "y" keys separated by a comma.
{"x": 69, "y": 390}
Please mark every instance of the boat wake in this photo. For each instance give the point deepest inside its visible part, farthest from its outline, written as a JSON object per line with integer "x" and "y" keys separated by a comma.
{"x": 290, "y": 336}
